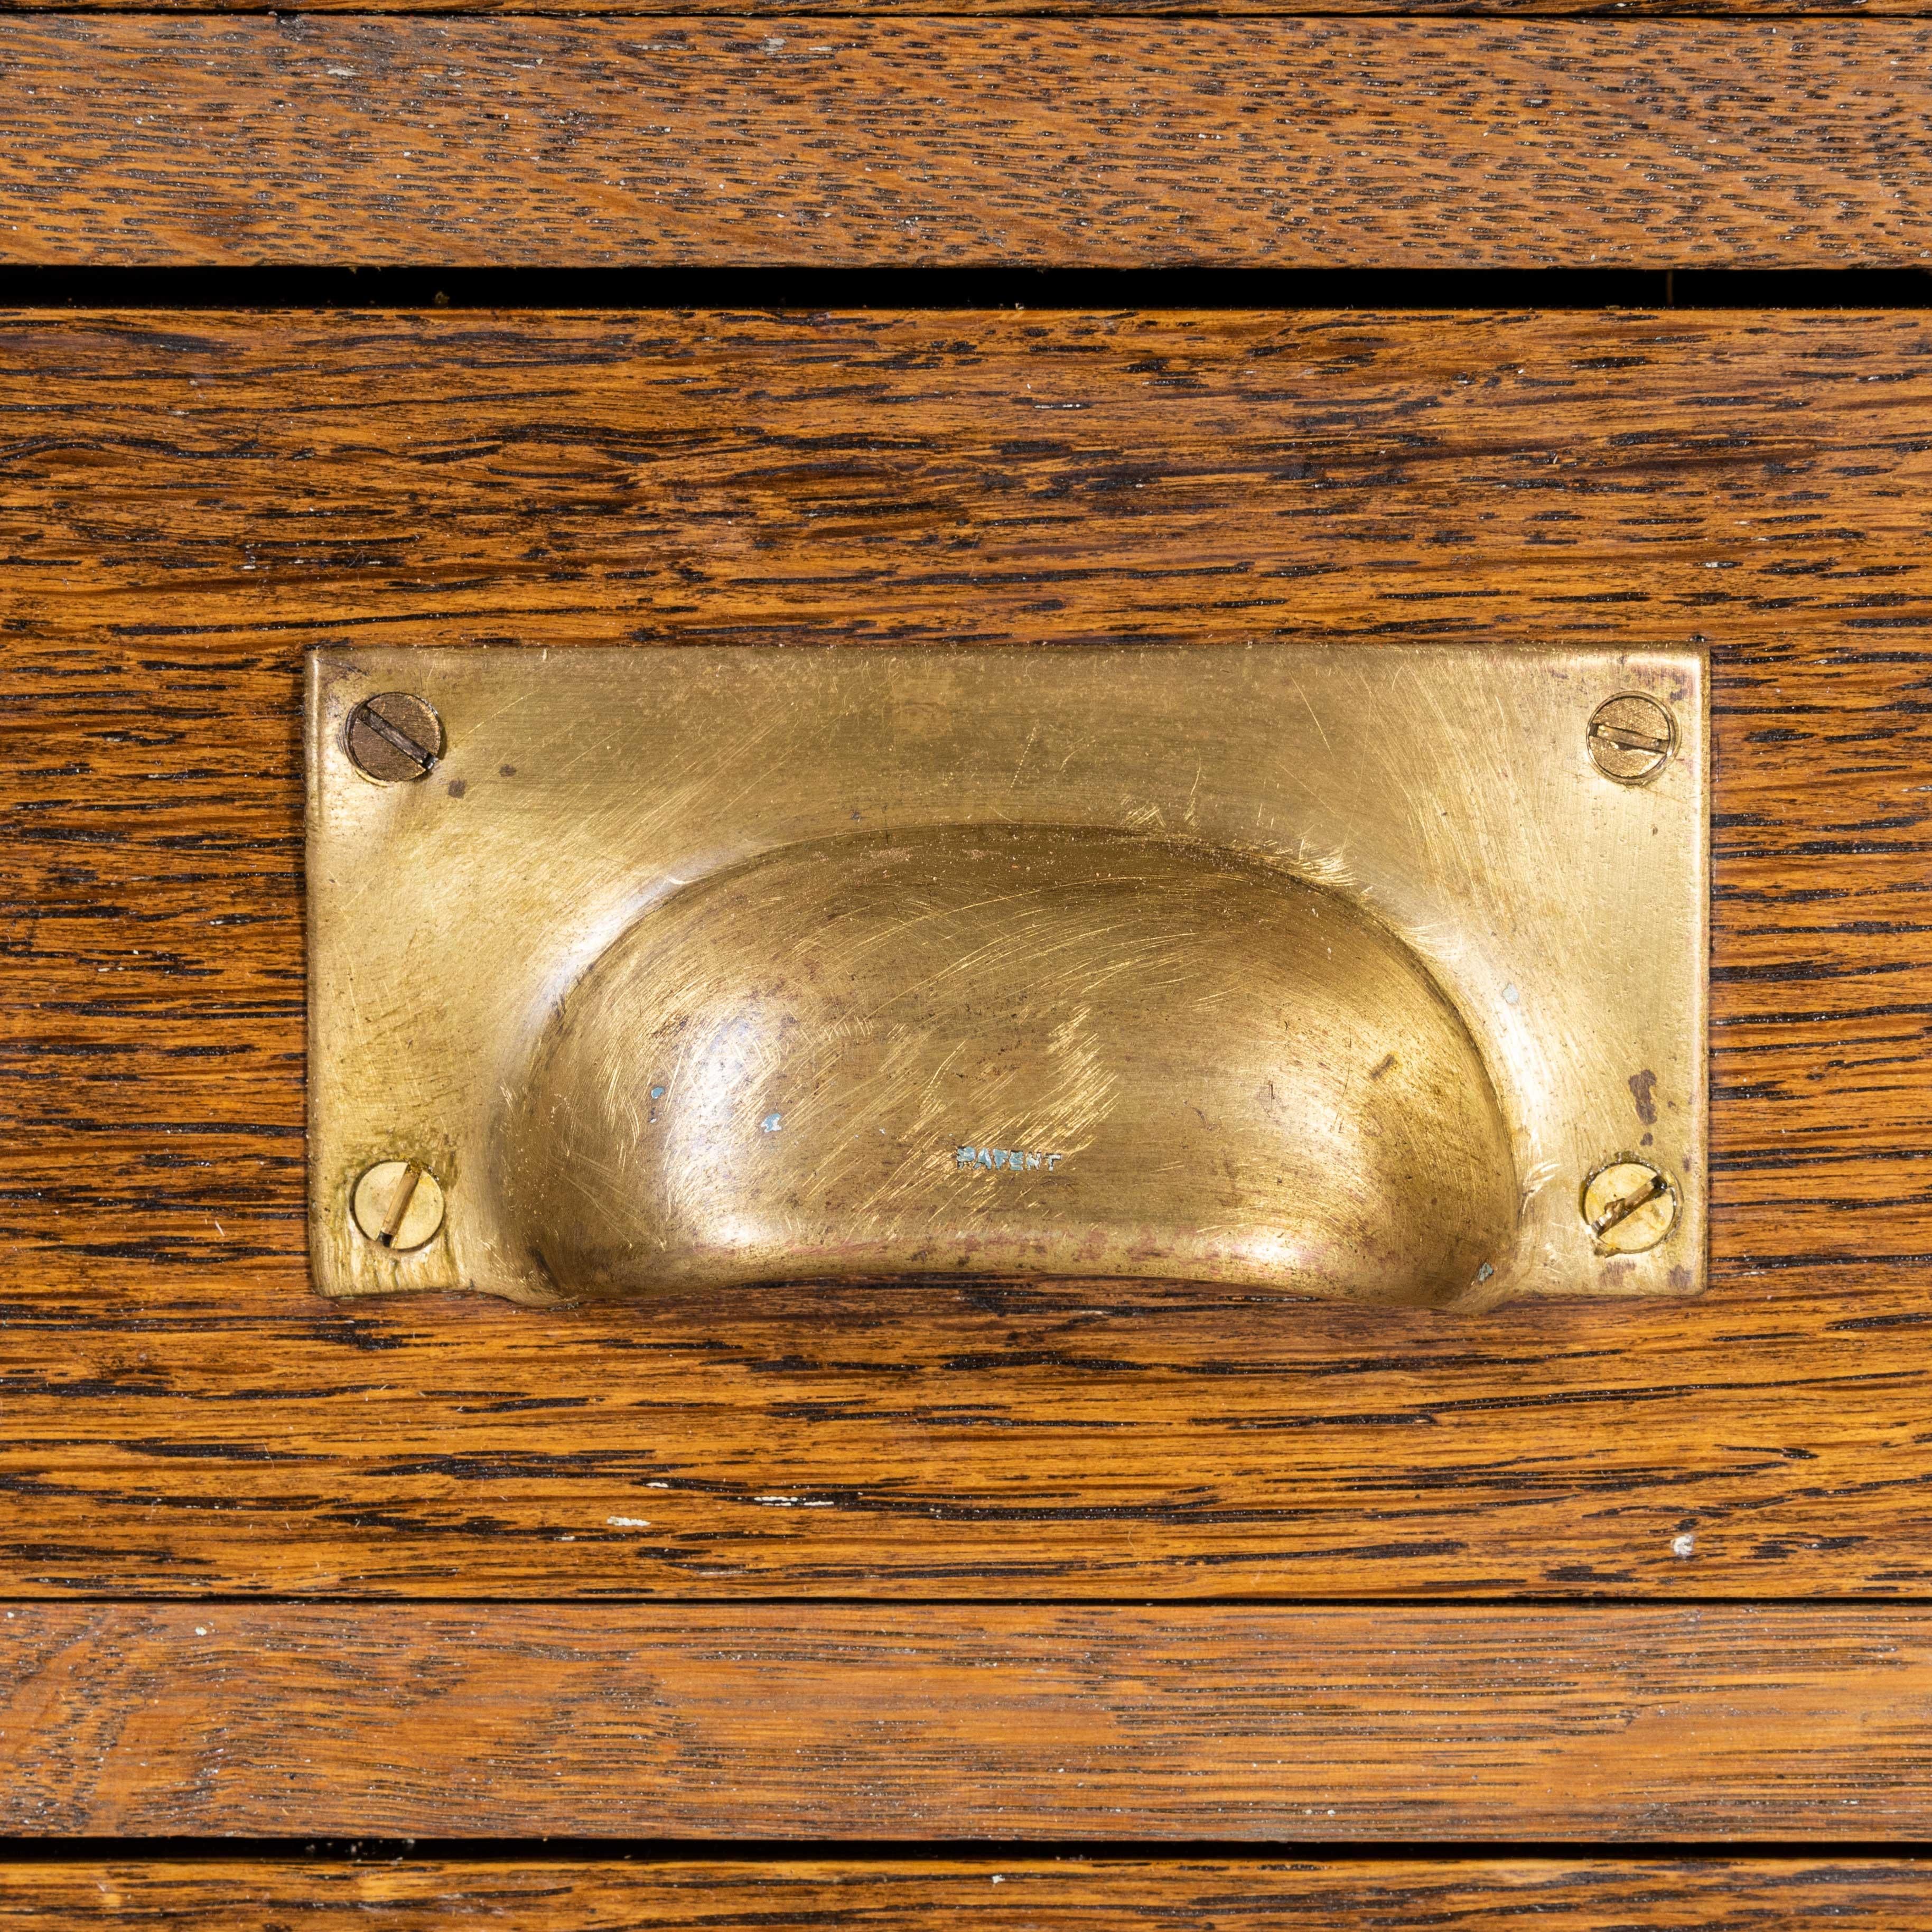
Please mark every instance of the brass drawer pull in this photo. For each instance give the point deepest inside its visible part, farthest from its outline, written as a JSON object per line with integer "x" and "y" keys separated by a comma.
{"x": 1372, "y": 973}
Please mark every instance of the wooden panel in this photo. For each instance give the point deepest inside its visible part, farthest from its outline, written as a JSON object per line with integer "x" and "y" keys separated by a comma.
{"x": 193, "y": 498}
{"x": 763, "y": 9}
{"x": 924, "y": 1722}
{"x": 1389, "y": 144}
{"x": 1227, "y": 1895}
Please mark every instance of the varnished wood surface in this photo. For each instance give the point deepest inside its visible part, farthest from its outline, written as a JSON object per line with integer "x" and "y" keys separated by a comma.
{"x": 1800, "y": 1895}
{"x": 1388, "y": 144}
{"x": 1386, "y": 1724}
{"x": 764, "y": 10}
{"x": 191, "y": 499}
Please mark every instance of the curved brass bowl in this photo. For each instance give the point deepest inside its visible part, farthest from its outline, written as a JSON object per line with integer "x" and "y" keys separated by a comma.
{"x": 1035, "y": 1051}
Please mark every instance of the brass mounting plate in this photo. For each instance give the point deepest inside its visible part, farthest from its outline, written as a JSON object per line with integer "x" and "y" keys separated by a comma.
{"x": 1449, "y": 794}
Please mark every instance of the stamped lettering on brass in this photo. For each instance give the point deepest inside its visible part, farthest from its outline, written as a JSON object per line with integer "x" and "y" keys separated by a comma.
{"x": 1012, "y": 1159}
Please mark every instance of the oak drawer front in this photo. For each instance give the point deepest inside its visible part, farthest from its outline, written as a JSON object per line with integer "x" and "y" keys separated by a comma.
{"x": 200, "y": 498}
{"x": 1477, "y": 1725}
{"x": 563, "y": 1895}
{"x": 914, "y": 1583}
{"x": 920, "y": 142}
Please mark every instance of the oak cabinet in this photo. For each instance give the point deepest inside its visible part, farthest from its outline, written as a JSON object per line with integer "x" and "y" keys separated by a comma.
{"x": 939, "y": 1563}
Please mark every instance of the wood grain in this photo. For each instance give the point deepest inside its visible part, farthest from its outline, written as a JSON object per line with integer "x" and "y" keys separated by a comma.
{"x": 192, "y": 500}
{"x": 1388, "y": 1725}
{"x": 1389, "y": 144}
{"x": 760, "y": 11}
{"x": 565, "y": 1895}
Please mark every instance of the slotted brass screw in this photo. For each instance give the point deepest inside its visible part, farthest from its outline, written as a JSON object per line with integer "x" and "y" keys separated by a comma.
{"x": 1631, "y": 738}
{"x": 1628, "y": 1206}
{"x": 393, "y": 737}
{"x": 398, "y": 1205}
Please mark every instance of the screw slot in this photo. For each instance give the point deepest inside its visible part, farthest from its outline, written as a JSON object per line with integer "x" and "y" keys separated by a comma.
{"x": 393, "y": 737}
{"x": 1631, "y": 738}
{"x": 1628, "y": 1206}
{"x": 398, "y": 1205}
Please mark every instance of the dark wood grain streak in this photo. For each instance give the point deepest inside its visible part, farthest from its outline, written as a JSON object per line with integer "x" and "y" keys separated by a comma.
{"x": 1322, "y": 143}
{"x": 190, "y": 500}
{"x": 793, "y": 1721}
{"x": 1801, "y": 1894}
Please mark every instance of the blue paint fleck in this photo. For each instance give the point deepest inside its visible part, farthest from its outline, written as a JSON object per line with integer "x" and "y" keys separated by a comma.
{"x": 657, "y": 1093}
{"x": 1483, "y": 1273}
{"x": 772, "y": 1123}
